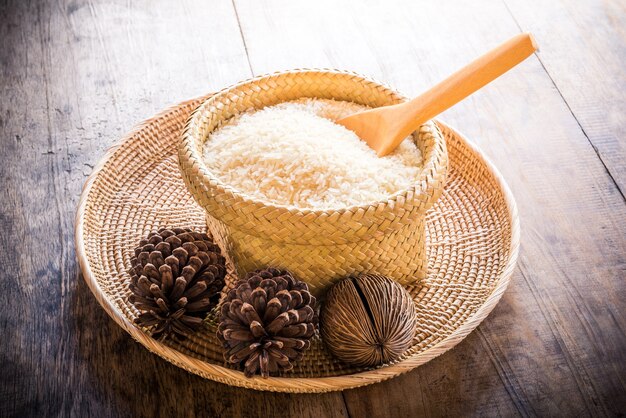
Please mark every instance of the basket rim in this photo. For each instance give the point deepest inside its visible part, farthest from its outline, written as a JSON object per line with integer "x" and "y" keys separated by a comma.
{"x": 286, "y": 384}
{"x": 189, "y": 144}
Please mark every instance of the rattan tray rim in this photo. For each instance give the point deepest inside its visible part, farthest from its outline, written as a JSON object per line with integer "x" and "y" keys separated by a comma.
{"x": 296, "y": 384}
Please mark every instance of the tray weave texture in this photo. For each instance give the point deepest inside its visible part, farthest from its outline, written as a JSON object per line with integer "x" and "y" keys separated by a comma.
{"x": 317, "y": 246}
{"x": 472, "y": 237}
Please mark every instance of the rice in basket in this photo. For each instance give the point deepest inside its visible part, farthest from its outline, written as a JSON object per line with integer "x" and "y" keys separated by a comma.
{"x": 293, "y": 154}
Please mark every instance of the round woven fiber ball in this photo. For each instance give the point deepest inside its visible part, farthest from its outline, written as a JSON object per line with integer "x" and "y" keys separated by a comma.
{"x": 368, "y": 320}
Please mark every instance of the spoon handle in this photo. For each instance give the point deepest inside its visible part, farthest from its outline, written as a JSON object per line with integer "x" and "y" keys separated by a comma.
{"x": 462, "y": 83}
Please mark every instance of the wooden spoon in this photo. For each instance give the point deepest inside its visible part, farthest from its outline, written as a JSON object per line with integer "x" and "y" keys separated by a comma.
{"x": 383, "y": 128}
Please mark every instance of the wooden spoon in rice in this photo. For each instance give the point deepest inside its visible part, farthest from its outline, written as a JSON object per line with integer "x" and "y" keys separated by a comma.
{"x": 383, "y": 128}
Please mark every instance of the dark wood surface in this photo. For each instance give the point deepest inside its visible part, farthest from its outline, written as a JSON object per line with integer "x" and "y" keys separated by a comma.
{"x": 76, "y": 75}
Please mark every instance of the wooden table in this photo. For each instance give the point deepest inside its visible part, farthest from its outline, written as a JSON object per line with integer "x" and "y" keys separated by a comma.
{"x": 77, "y": 75}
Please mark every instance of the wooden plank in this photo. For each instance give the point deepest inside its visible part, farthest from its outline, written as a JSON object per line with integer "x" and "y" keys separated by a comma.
{"x": 583, "y": 48}
{"x": 75, "y": 77}
{"x": 555, "y": 345}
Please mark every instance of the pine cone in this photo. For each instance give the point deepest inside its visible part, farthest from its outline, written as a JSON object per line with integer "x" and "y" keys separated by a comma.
{"x": 176, "y": 278}
{"x": 267, "y": 321}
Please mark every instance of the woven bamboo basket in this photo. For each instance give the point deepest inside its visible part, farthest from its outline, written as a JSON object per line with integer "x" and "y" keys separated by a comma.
{"x": 318, "y": 246}
{"x": 472, "y": 241}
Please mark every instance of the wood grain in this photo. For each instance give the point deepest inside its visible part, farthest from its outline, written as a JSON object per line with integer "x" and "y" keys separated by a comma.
{"x": 584, "y": 50}
{"x": 76, "y": 75}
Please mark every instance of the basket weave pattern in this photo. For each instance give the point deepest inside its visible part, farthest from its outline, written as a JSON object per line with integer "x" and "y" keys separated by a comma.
{"x": 318, "y": 246}
{"x": 472, "y": 237}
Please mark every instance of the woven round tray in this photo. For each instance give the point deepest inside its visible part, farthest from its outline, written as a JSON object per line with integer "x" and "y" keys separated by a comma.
{"x": 472, "y": 243}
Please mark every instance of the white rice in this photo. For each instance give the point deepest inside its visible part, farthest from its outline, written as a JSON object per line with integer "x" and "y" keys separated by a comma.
{"x": 292, "y": 154}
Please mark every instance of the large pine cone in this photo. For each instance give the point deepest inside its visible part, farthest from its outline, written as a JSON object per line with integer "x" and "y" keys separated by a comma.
{"x": 267, "y": 321}
{"x": 176, "y": 278}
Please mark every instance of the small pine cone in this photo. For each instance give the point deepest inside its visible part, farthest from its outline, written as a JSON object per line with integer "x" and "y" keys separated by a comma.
{"x": 176, "y": 278}
{"x": 267, "y": 321}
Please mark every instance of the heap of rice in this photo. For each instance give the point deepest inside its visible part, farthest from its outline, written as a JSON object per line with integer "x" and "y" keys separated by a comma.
{"x": 292, "y": 154}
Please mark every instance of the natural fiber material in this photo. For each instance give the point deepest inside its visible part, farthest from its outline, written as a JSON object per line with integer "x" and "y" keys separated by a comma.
{"x": 317, "y": 246}
{"x": 267, "y": 321}
{"x": 177, "y": 276}
{"x": 472, "y": 238}
{"x": 368, "y": 320}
